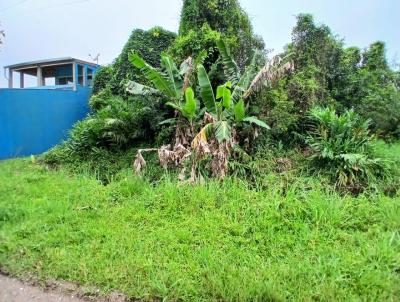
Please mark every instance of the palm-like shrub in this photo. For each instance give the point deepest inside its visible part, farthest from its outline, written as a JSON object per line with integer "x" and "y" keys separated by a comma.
{"x": 340, "y": 147}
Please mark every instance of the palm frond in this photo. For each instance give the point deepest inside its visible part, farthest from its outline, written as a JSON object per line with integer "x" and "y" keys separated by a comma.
{"x": 187, "y": 71}
{"x": 246, "y": 79}
{"x": 206, "y": 91}
{"x": 230, "y": 67}
{"x": 136, "y": 88}
{"x": 173, "y": 74}
{"x": 270, "y": 73}
{"x": 223, "y": 131}
{"x": 256, "y": 121}
{"x": 160, "y": 81}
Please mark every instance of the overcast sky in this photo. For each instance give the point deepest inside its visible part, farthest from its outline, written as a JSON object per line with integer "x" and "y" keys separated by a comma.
{"x": 42, "y": 29}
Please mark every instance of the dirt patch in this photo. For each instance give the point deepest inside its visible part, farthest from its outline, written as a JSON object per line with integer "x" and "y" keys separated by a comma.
{"x": 13, "y": 290}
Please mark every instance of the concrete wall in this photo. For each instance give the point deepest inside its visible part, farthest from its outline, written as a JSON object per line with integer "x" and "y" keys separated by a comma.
{"x": 34, "y": 120}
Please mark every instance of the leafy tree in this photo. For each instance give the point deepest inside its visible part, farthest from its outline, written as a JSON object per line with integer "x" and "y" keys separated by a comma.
{"x": 316, "y": 54}
{"x": 344, "y": 90}
{"x": 327, "y": 74}
{"x": 372, "y": 89}
{"x": 204, "y": 22}
{"x": 374, "y": 58}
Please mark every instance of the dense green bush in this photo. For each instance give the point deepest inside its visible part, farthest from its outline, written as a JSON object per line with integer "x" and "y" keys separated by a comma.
{"x": 115, "y": 125}
{"x": 274, "y": 106}
{"x": 340, "y": 147}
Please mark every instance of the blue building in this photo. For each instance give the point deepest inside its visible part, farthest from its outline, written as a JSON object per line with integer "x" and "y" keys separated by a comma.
{"x": 32, "y": 120}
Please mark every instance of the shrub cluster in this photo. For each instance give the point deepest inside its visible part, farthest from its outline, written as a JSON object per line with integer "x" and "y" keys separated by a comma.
{"x": 359, "y": 88}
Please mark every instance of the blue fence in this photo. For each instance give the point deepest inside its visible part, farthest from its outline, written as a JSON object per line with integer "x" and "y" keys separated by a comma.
{"x": 34, "y": 120}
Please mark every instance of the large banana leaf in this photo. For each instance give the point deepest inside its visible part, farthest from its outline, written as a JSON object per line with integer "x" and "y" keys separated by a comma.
{"x": 156, "y": 77}
{"x": 231, "y": 69}
{"x": 189, "y": 109}
{"x": 270, "y": 73}
{"x": 239, "y": 111}
{"x": 223, "y": 131}
{"x": 256, "y": 121}
{"x": 139, "y": 89}
{"x": 206, "y": 90}
{"x": 173, "y": 75}
{"x": 246, "y": 79}
{"x": 224, "y": 93}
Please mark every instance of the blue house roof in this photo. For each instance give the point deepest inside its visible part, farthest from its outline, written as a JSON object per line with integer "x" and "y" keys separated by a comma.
{"x": 49, "y": 62}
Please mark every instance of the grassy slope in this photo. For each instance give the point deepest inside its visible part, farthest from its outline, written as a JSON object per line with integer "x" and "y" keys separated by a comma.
{"x": 198, "y": 243}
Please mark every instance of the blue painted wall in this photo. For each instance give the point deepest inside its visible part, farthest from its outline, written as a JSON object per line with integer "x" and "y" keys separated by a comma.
{"x": 34, "y": 120}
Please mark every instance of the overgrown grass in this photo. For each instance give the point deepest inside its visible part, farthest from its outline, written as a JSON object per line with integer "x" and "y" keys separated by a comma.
{"x": 199, "y": 243}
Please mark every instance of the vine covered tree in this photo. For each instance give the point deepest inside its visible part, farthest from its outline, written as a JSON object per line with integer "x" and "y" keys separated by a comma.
{"x": 204, "y": 22}
{"x": 149, "y": 44}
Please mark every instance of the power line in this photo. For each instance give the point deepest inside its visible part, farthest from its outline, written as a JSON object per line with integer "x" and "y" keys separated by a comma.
{"x": 66, "y": 3}
{"x": 14, "y": 5}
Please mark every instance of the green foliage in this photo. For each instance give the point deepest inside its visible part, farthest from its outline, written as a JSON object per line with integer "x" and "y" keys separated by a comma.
{"x": 341, "y": 148}
{"x": 376, "y": 93}
{"x": 117, "y": 120}
{"x": 223, "y": 131}
{"x": 219, "y": 16}
{"x": 148, "y": 45}
{"x": 327, "y": 74}
{"x": 115, "y": 126}
{"x": 239, "y": 111}
{"x": 374, "y": 57}
{"x": 100, "y": 163}
{"x": 160, "y": 81}
{"x": 195, "y": 43}
{"x": 221, "y": 105}
{"x": 102, "y": 78}
{"x": 102, "y": 99}
{"x": 170, "y": 82}
{"x": 206, "y": 90}
{"x": 221, "y": 54}
{"x": 316, "y": 55}
{"x": 276, "y": 108}
{"x": 190, "y": 107}
{"x": 256, "y": 121}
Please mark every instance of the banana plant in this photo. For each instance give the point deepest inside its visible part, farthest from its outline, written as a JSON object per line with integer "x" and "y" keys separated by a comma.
{"x": 172, "y": 83}
{"x": 222, "y": 107}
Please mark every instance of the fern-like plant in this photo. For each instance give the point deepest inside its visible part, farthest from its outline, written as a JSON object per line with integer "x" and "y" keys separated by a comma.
{"x": 341, "y": 148}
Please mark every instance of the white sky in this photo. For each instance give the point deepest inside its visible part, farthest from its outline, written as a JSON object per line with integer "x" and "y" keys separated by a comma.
{"x": 42, "y": 29}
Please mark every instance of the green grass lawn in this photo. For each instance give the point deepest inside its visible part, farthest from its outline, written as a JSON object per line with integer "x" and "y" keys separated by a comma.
{"x": 199, "y": 243}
